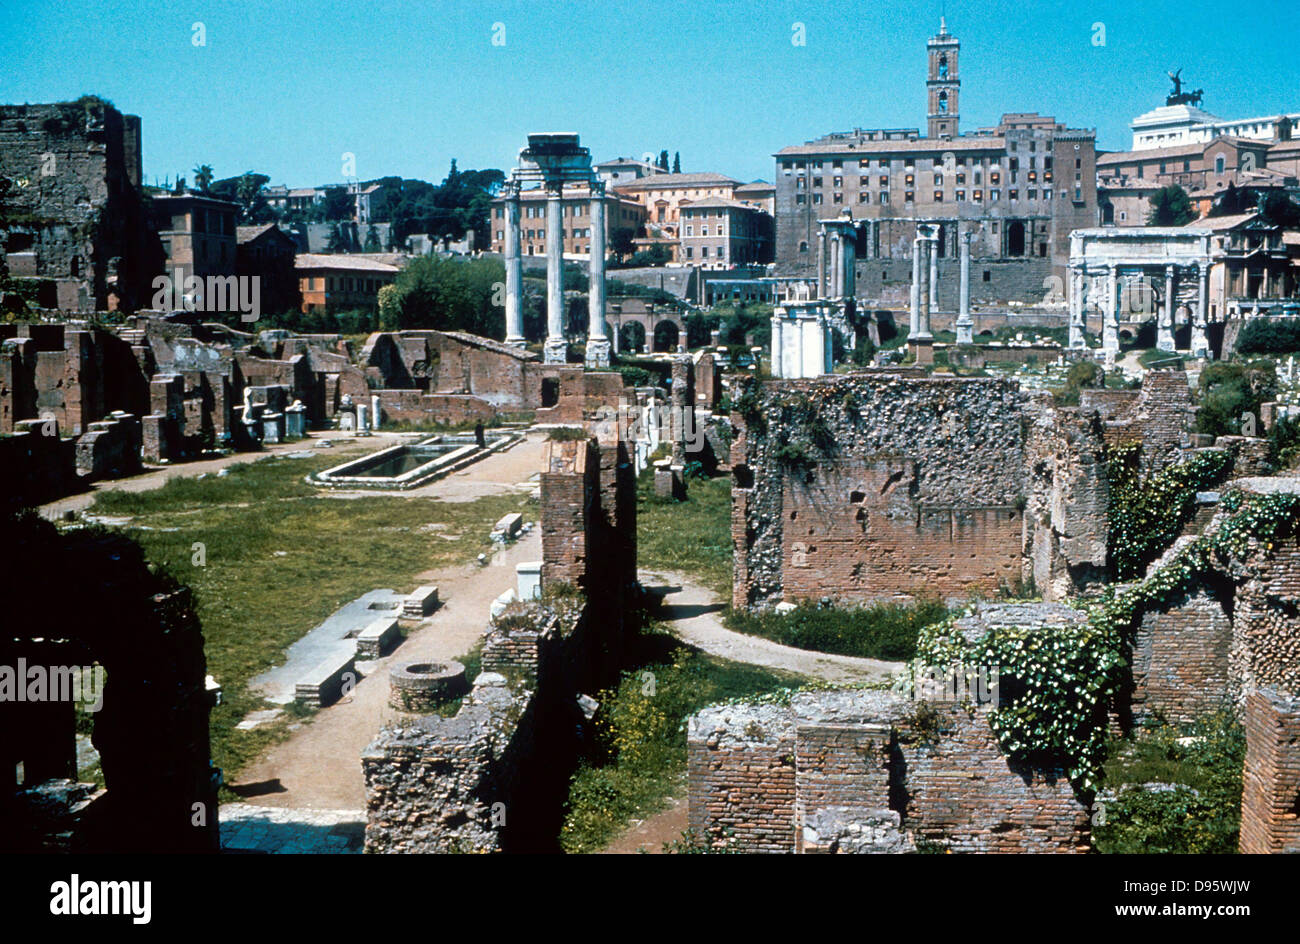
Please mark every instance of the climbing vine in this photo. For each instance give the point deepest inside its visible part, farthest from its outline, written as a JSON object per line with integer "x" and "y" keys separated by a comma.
{"x": 1057, "y": 685}
{"x": 1148, "y": 512}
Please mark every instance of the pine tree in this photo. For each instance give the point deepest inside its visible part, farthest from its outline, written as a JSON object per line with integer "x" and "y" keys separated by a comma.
{"x": 677, "y": 162}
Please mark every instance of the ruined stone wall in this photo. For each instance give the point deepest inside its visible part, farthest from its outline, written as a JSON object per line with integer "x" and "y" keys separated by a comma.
{"x": 963, "y": 793}
{"x": 1159, "y": 416}
{"x": 1180, "y": 660}
{"x": 877, "y": 486}
{"x": 1265, "y": 650}
{"x": 1271, "y": 775}
{"x": 416, "y": 406}
{"x": 1067, "y": 524}
{"x": 569, "y": 499}
{"x": 763, "y": 777}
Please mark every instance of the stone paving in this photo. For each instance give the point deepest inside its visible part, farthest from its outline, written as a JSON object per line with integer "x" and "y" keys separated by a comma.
{"x": 280, "y": 831}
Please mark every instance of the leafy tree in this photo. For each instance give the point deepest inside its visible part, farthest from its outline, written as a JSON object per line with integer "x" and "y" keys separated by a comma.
{"x": 1170, "y": 206}
{"x": 338, "y": 204}
{"x": 247, "y": 191}
{"x": 372, "y": 239}
{"x": 203, "y": 176}
{"x": 1230, "y": 389}
{"x": 663, "y": 159}
{"x": 445, "y": 295}
{"x": 1280, "y": 210}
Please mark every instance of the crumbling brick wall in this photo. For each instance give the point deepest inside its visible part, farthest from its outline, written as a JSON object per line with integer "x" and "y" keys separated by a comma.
{"x": 1270, "y": 799}
{"x": 917, "y": 485}
{"x": 1159, "y": 416}
{"x": 1180, "y": 659}
{"x": 759, "y": 775}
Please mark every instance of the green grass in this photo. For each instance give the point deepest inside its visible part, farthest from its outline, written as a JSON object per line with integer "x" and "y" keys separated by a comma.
{"x": 280, "y": 558}
{"x": 692, "y": 537}
{"x": 1201, "y": 814}
{"x": 881, "y": 631}
{"x": 640, "y": 758}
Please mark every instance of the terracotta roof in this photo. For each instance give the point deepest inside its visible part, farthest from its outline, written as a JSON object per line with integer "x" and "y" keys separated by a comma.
{"x": 246, "y": 234}
{"x": 756, "y": 186}
{"x": 715, "y": 203}
{"x": 1152, "y": 154}
{"x": 677, "y": 181}
{"x": 341, "y": 261}
{"x": 1218, "y": 223}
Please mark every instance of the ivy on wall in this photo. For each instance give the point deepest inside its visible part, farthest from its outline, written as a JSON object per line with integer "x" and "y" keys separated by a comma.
{"x": 1148, "y": 512}
{"x": 1057, "y": 685}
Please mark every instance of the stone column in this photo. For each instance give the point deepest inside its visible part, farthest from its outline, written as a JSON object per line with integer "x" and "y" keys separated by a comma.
{"x": 1078, "y": 325}
{"x": 1165, "y": 328}
{"x": 965, "y": 326}
{"x": 514, "y": 272}
{"x": 926, "y": 269}
{"x": 775, "y": 361}
{"x": 914, "y": 309}
{"x": 1201, "y": 343}
{"x": 597, "y": 341}
{"x": 850, "y": 264}
{"x": 933, "y": 253}
{"x": 1110, "y": 317}
{"x": 556, "y": 349}
{"x": 822, "y": 260}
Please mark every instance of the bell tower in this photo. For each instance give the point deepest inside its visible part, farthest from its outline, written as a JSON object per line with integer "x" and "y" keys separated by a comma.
{"x": 944, "y": 83}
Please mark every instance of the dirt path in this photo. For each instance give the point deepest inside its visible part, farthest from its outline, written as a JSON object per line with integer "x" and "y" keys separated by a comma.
{"x": 319, "y": 767}
{"x": 692, "y": 613}
{"x": 649, "y": 835}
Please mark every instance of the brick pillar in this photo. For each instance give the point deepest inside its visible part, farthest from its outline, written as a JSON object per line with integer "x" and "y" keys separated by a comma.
{"x": 1270, "y": 796}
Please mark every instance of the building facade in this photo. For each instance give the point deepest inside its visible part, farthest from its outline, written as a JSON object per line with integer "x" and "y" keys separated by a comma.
{"x": 341, "y": 282}
{"x": 663, "y": 195}
{"x": 197, "y": 232}
{"x": 722, "y": 234}
{"x": 1018, "y": 189}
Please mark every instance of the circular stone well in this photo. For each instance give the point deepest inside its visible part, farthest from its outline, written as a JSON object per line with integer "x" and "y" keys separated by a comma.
{"x": 419, "y": 687}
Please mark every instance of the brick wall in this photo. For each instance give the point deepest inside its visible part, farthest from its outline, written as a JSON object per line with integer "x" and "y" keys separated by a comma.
{"x": 1180, "y": 660}
{"x": 1270, "y": 799}
{"x": 758, "y": 774}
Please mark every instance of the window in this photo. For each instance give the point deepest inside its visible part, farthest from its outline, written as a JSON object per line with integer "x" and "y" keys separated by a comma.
{"x": 704, "y": 252}
{"x": 995, "y": 195}
{"x": 938, "y": 196}
{"x": 909, "y": 196}
{"x": 1219, "y": 164}
{"x": 884, "y": 196}
{"x": 864, "y": 197}
{"x": 836, "y": 165}
{"x": 839, "y": 182}
{"x": 800, "y": 199}
{"x": 817, "y": 198}
{"x": 690, "y": 230}
{"x": 909, "y": 179}
{"x": 884, "y": 180}
{"x": 978, "y": 196}
{"x": 803, "y": 247}
{"x": 704, "y": 231}
{"x": 995, "y": 178}
{"x": 864, "y": 163}
{"x": 817, "y": 181}
{"x": 961, "y": 180}
{"x": 1032, "y": 194}
{"x": 988, "y": 276}
{"x": 839, "y": 198}
{"x": 1013, "y": 195}
{"x": 938, "y": 178}
{"x": 960, "y": 195}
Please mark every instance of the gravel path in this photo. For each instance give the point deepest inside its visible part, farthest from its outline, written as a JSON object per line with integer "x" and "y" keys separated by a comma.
{"x": 692, "y": 613}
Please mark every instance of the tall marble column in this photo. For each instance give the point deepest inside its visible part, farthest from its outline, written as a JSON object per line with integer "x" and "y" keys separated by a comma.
{"x": 914, "y": 309}
{"x": 1078, "y": 332}
{"x": 1201, "y": 343}
{"x": 556, "y": 348}
{"x": 926, "y": 268}
{"x": 777, "y": 367}
{"x": 933, "y": 252}
{"x": 1165, "y": 328}
{"x": 850, "y": 264}
{"x": 597, "y": 341}
{"x": 965, "y": 326}
{"x": 1110, "y": 318}
{"x": 514, "y": 272}
{"x": 823, "y": 251}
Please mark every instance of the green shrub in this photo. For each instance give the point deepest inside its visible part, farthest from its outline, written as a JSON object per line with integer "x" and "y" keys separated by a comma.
{"x": 1228, "y": 390}
{"x": 1265, "y": 336}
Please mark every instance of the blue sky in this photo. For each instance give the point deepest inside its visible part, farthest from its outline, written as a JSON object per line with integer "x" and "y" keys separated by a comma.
{"x": 287, "y": 88}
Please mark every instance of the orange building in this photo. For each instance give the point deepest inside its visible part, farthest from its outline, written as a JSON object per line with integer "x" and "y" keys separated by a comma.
{"x": 341, "y": 282}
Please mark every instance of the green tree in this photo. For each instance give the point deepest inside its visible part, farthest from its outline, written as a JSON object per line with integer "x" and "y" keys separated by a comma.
{"x": 677, "y": 162}
{"x": 336, "y": 241}
{"x": 1280, "y": 210}
{"x": 663, "y": 159}
{"x": 203, "y": 176}
{"x": 372, "y": 239}
{"x": 1170, "y": 206}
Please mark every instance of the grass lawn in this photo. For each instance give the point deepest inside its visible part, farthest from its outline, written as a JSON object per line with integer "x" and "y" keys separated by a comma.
{"x": 640, "y": 760}
{"x": 881, "y": 631}
{"x": 691, "y": 537}
{"x": 280, "y": 557}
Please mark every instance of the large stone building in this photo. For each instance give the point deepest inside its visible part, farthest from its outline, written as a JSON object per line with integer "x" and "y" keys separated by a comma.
{"x": 340, "y": 282}
{"x": 197, "y": 232}
{"x": 1018, "y": 189}
{"x": 722, "y": 234}
{"x": 71, "y": 213}
{"x": 663, "y": 195}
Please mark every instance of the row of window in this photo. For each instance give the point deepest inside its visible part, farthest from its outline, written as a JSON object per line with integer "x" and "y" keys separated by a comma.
{"x": 976, "y": 196}
{"x": 909, "y": 163}
{"x": 341, "y": 283}
{"x": 541, "y": 234}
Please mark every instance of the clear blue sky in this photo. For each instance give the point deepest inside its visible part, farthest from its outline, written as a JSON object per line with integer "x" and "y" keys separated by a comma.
{"x": 286, "y": 87}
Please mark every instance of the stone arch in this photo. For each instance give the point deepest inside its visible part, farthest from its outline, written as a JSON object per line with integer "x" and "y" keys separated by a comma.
{"x": 631, "y": 335}
{"x": 667, "y": 334}
{"x": 1015, "y": 238}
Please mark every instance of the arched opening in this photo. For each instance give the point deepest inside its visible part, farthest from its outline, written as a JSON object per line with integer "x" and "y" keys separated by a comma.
{"x": 666, "y": 336}
{"x": 1015, "y": 238}
{"x": 631, "y": 337}
{"x": 943, "y": 102}
{"x": 943, "y": 66}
